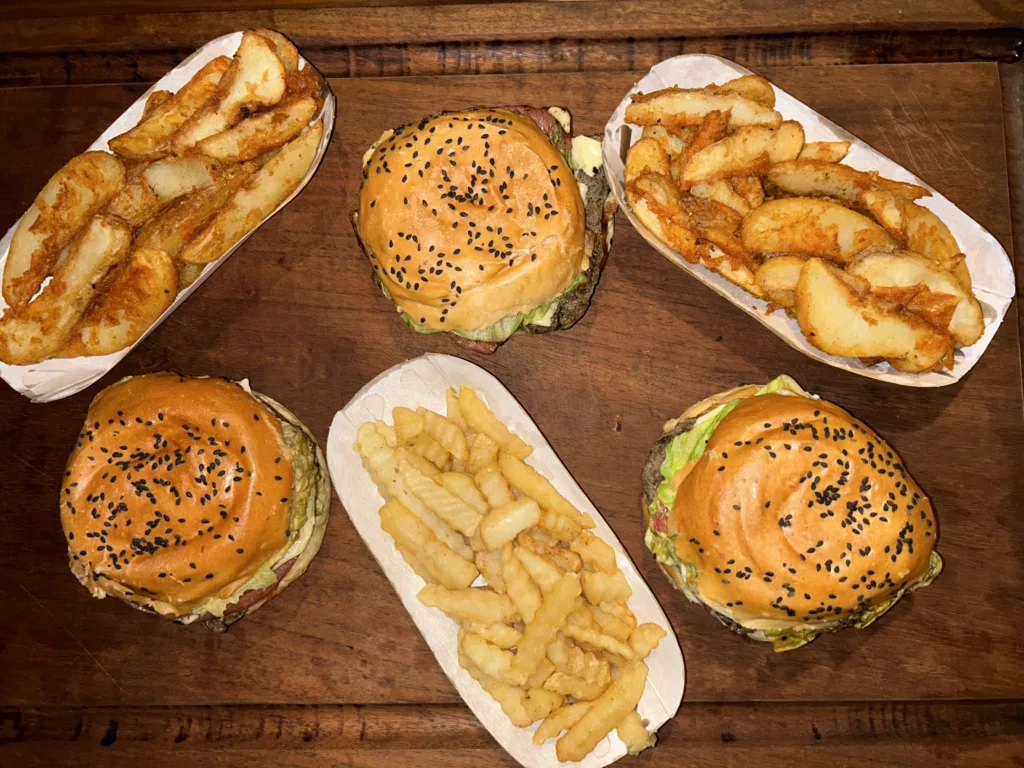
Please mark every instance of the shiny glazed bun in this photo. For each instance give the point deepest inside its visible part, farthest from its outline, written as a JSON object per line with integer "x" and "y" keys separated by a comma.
{"x": 796, "y": 518}
{"x": 179, "y": 491}
{"x": 471, "y": 217}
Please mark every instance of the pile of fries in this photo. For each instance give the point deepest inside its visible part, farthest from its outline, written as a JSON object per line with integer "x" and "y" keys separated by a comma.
{"x": 723, "y": 180}
{"x": 121, "y": 234}
{"x": 550, "y": 636}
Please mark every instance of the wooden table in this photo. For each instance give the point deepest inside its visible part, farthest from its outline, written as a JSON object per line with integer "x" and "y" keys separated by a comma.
{"x": 333, "y": 672}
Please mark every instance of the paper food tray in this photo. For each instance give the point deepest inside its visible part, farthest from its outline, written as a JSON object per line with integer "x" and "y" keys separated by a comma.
{"x": 989, "y": 265}
{"x": 57, "y": 378}
{"x": 422, "y": 382}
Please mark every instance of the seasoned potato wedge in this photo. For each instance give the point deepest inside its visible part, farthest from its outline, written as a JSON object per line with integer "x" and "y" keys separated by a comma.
{"x": 722, "y": 192}
{"x": 922, "y": 285}
{"x": 825, "y": 151}
{"x": 918, "y": 229}
{"x": 70, "y": 198}
{"x": 839, "y": 320}
{"x": 810, "y": 178}
{"x": 672, "y": 141}
{"x": 812, "y": 227}
{"x": 261, "y": 133}
{"x": 713, "y": 127}
{"x": 285, "y": 49}
{"x": 676, "y": 107}
{"x": 38, "y": 329}
{"x": 157, "y": 184}
{"x": 646, "y": 156}
{"x": 256, "y": 78}
{"x": 153, "y": 101}
{"x": 177, "y": 224}
{"x": 748, "y": 150}
{"x": 750, "y": 188}
{"x": 255, "y": 199}
{"x": 142, "y": 290}
{"x": 150, "y": 139}
{"x": 777, "y": 279}
{"x": 753, "y": 87}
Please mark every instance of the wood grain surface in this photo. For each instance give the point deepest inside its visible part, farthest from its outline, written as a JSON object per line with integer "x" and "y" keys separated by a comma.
{"x": 295, "y": 311}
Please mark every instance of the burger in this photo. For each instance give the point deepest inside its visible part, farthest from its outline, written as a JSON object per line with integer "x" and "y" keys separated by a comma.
{"x": 197, "y": 499}
{"x": 785, "y": 516}
{"x": 486, "y": 223}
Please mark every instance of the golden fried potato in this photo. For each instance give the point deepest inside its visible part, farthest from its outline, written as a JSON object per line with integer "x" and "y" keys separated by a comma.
{"x": 285, "y": 49}
{"x": 840, "y": 319}
{"x": 753, "y": 87}
{"x": 256, "y": 199}
{"x": 811, "y": 178}
{"x": 604, "y": 715}
{"x": 825, "y": 151}
{"x": 713, "y": 127}
{"x": 153, "y": 186}
{"x": 813, "y": 227}
{"x": 722, "y": 192}
{"x": 750, "y": 188}
{"x": 646, "y": 156}
{"x": 142, "y": 290}
{"x": 256, "y": 78}
{"x": 34, "y": 332}
{"x": 261, "y": 133}
{"x": 921, "y": 285}
{"x": 179, "y": 222}
{"x": 150, "y": 139}
{"x": 918, "y": 229}
{"x": 747, "y": 151}
{"x": 777, "y": 279}
{"x": 673, "y": 141}
{"x": 153, "y": 101}
{"x": 70, "y": 198}
{"x": 677, "y": 107}
{"x": 188, "y": 274}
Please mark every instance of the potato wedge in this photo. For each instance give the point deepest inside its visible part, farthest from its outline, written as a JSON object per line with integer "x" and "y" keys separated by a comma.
{"x": 150, "y": 139}
{"x": 777, "y": 279}
{"x": 36, "y": 331}
{"x": 750, "y": 188}
{"x": 256, "y": 199}
{"x": 255, "y": 135}
{"x": 920, "y": 230}
{"x": 839, "y": 320}
{"x": 155, "y": 100}
{"x": 155, "y": 185}
{"x": 813, "y": 227}
{"x": 753, "y": 87}
{"x": 810, "y": 178}
{"x": 747, "y": 151}
{"x": 722, "y": 192}
{"x": 825, "y": 151}
{"x": 142, "y": 290}
{"x": 672, "y": 141}
{"x": 676, "y": 107}
{"x": 70, "y": 198}
{"x": 188, "y": 274}
{"x": 921, "y": 285}
{"x": 256, "y": 78}
{"x": 646, "y": 156}
{"x": 713, "y": 127}
{"x": 285, "y": 49}
{"x": 178, "y": 223}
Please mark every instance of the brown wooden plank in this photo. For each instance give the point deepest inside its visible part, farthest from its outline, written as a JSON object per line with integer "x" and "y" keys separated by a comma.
{"x": 296, "y": 312}
{"x": 587, "y": 19}
{"x": 816, "y": 734}
{"x": 562, "y": 55}
{"x": 1012, "y": 81}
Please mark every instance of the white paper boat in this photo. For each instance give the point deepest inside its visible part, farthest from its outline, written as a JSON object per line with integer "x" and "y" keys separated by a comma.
{"x": 989, "y": 264}
{"x": 53, "y": 379}
{"x": 422, "y": 382}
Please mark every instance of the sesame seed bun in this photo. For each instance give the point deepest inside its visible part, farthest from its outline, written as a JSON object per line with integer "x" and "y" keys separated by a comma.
{"x": 796, "y": 519}
{"x": 471, "y": 217}
{"x": 180, "y": 490}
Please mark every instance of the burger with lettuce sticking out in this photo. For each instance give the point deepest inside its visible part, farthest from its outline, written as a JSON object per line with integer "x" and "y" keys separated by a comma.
{"x": 197, "y": 499}
{"x": 486, "y": 223}
{"x": 785, "y": 516}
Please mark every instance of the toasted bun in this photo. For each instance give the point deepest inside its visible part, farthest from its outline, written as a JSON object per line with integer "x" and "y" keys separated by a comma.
{"x": 176, "y": 491}
{"x": 799, "y": 515}
{"x": 471, "y": 217}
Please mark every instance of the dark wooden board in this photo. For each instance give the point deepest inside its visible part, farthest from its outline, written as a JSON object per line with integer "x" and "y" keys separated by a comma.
{"x": 133, "y": 26}
{"x": 951, "y": 734}
{"x": 295, "y": 311}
